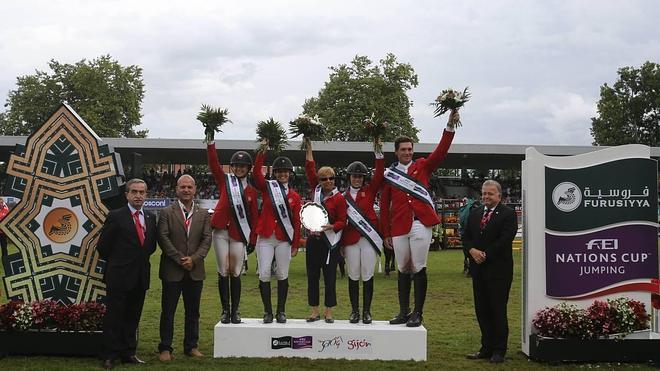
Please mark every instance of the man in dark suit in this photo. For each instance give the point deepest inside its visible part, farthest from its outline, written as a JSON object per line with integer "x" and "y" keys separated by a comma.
{"x": 184, "y": 234}
{"x": 128, "y": 238}
{"x": 488, "y": 241}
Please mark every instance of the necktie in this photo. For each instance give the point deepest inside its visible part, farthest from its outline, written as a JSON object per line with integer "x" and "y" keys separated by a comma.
{"x": 186, "y": 220}
{"x": 138, "y": 227}
{"x": 485, "y": 218}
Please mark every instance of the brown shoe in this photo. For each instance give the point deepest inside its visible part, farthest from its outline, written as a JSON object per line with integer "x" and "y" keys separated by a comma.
{"x": 165, "y": 356}
{"x": 194, "y": 352}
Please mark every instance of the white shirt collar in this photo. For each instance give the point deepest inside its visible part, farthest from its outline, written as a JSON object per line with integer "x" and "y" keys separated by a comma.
{"x": 486, "y": 208}
{"x": 133, "y": 210}
{"x": 183, "y": 208}
{"x": 403, "y": 167}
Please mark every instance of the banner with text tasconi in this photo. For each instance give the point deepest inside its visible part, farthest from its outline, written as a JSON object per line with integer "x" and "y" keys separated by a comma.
{"x": 591, "y": 228}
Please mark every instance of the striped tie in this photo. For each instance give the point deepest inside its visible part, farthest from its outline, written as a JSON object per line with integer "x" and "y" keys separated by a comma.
{"x": 485, "y": 218}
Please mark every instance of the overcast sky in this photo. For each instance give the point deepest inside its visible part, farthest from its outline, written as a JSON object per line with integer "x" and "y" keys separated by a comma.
{"x": 534, "y": 67}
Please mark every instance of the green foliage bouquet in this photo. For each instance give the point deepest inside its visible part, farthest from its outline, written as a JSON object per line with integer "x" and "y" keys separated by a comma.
{"x": 450, "y": 99}
{"x": 271, "y": 132}
{"x": 212, "y": 119}
{"x": 375, "y": 130}
{"x": 308, "y": 128}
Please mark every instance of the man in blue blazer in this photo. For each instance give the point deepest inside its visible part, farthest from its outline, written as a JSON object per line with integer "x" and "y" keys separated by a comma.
{"x": 128, "y": 238}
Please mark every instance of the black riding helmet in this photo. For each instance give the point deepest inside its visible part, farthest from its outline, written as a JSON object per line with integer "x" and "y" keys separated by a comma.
{"x": 282, "y": 163}
{"x": 357, "y": 168}
{"x": 241, "y": 158}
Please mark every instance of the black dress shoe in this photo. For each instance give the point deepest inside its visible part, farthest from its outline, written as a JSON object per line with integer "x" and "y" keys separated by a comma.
{"x": 329, "y": 320}
{"x": 313, "y": 319}
{"x": 400, "y": 319}
{"x": 108, "y": 364}
{"x": 133, "y": 360}
{"x": 496, "y": 358}
{"x": 354, "y": 317}
{"x": 280, "y": 317}
{"x": 478, "y": 355}
{"x": 224, "y": 317}
{"x": 268, "y": 317}
{"x": 366, "y": 317}
{"x": 415, "y": 320}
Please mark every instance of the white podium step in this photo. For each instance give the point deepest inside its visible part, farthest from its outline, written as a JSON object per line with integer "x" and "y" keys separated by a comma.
{"x": 341, "y": 339}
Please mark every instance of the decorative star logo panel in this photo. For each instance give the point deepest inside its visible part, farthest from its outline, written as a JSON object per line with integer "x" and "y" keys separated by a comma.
{"x": 62, "y": 174}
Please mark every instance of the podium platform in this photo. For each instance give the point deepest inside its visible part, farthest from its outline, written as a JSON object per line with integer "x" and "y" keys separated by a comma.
{"x": 297, "y": 338}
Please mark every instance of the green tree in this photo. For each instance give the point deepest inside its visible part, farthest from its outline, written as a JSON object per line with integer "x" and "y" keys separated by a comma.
{"x": 105, "y": 94}
{"x": 629, "y": 111}
{"x": 360, "y": 89}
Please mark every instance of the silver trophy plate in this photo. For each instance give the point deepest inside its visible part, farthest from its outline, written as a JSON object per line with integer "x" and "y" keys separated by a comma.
{"x": 313, "y": 216}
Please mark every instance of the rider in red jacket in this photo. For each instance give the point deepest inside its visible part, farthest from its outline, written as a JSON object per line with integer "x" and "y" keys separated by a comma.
{"x": 407, "y": 216}
{"x": 233, "y": 227}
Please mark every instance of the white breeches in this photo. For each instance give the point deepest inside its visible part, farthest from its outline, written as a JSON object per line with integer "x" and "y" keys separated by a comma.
{"x": 412, "y": 250}
{"x": 361, "y": 260}
{"x": 229, "y": 254}
{"x": 267, "y": 248}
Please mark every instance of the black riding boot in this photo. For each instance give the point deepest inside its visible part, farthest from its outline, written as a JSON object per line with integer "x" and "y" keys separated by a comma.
{"x": 264, "y": 289}
{"x": 235, "y": 299}
{"x": 403, "y": 284}
{"x": 367, "y": 295}
{"x": 282, "y": 291}
{"x": 354, "y": 295}
{"x": 223, "y": 287}
{"x": 420, "y": 296}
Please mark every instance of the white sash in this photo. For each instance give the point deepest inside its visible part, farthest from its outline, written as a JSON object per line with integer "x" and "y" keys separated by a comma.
{"x": 330, "y": 237}
{"x": 240, "y": 211}
{"x": 281, "y": 205}
{"x": 363, "y": 225}
{"x": 408, "y": 184}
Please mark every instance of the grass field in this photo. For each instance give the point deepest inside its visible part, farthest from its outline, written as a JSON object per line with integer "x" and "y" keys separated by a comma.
{"x": 449, "y": 319}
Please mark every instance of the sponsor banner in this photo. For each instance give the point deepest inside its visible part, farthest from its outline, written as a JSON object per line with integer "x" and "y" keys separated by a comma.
{"x": 160, "y": 203}
{"x": 608, "y": 193}
{"x": 156, "y": 203}
{"x": 578, "y": 265}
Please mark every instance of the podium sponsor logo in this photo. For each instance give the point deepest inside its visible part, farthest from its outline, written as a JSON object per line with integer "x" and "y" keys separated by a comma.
{"x": 339, "y": 344}
{"x": 566, "y": 196}
{"x": 331, "y": 345}
{"x": 304, "y": 342}
{"x": 280, "y": 342}
{"x": 359, "y": 345}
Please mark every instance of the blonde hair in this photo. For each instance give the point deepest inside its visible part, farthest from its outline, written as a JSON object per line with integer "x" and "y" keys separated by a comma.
{"x": 325, "y": 171}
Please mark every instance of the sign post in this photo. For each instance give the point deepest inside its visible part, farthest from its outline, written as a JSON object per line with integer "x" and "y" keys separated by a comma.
{"x": 590, "y": 229}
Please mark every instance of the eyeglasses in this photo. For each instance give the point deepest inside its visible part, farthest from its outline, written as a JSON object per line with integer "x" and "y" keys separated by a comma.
{"x": 330, "y": 178}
